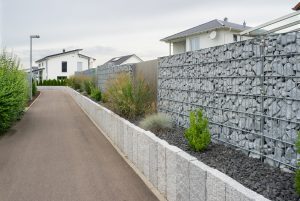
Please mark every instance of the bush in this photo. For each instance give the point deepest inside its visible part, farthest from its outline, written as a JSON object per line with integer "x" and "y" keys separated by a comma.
{"x": 87, "y": 85}
{"x": 34, "y": 88}
{"x": 77, "y": 82}
{"x": 198, "y": 134}
{"x": 156, "y": 122}
{"x": 14, "y": 91}
{"x": 297, "y": 175}
{"x": 96, "y": 94}
{"x": 127, "y": 98}
{"x": 53, "y": 82}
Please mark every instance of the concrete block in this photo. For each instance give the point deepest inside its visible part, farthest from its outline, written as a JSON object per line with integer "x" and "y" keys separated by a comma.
{"x": 235, "y": 194}
{"x": 140, "y": 152}
{"x": 215, "y": 187}
{"x": 197, "y": 175}
{"x": 153, "y": 159}
{"x": 129, "y": 142}
{"x": 182, "y": 176}
{"x": 135, "y": 136}
{"x": 125, "y": 141}
{"x": 146, "y": 157}
{"x": 161, "y": 166}
{"x": 171, "y": 155}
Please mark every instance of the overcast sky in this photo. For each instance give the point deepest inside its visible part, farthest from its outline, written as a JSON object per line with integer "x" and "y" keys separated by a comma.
{"x": 106, "y": 29}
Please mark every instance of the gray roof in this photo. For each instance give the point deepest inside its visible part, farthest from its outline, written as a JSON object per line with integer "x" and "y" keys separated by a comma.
{"x": 65, "y": 52}
{"x": 208, "y": 26}
{"x": 119, "y": 60}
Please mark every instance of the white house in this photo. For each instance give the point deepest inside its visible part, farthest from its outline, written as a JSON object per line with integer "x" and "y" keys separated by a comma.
{"x": 64, "y": 64}
{"x": 210, "y": 34}
{"x": 128, "y": 59}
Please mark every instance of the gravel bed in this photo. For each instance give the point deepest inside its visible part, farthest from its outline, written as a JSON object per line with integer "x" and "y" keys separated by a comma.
{"x": 264, "y": 179}
{"x": 268, "y": 181}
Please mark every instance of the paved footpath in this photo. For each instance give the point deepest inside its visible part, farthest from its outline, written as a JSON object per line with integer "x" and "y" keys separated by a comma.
{"x": 56, "y": 153}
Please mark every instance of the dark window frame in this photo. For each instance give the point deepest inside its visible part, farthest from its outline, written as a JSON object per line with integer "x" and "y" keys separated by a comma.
{"x": 64, "y": 66}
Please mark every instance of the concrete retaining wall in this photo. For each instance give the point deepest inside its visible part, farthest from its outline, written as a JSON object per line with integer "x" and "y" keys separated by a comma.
{"x": 173, "y": 172}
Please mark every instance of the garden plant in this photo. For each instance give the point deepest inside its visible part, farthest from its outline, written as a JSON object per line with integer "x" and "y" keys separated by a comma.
{"x": 198, "y": 134}
{"x": 129, "y": 98}
{"x": 13, "y": 90}
{"x": 158, "y": 121}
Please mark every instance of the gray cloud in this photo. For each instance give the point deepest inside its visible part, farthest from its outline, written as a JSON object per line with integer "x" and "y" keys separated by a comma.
{"x": 108, "y": 28}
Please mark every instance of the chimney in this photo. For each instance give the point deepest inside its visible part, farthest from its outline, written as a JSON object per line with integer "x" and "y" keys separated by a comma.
{"x": 64, "y": 50}
{"x": 225, "y": 19}
{"x": 244, "y": 23}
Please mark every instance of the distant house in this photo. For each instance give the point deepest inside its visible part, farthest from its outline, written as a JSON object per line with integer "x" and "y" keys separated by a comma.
{"x": 123, "y": 60}
{"x": 212, "y": 33}
{"x": 37, "y": 73}
{"x": 64, "y": 64}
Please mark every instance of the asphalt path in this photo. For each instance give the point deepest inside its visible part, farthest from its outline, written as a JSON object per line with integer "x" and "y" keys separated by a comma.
{"x": 56, "y": 153}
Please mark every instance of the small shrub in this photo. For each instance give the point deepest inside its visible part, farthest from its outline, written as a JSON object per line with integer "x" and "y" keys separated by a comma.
{"x": 34, "y": 88}
{"x": 198, "y": 134}
{"x": 130, "y": 99}
{"x": 156, "y": 122}
{"x": 297, "y": 175}
{"x": 96, "y": 94}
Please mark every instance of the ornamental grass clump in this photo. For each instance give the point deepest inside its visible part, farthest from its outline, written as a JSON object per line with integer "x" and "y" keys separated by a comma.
{"x": 297, "y": 175}
{"x": 77, "y": 82}
{"x": 130, "y": 99}
{"x": 14, "y": 91}
{"x": 96, "y": 93}
{"x": 198, "y": 134}
{"x": 156, "y": 122}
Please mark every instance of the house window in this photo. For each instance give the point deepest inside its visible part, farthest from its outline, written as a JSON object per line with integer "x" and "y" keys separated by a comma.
{"x": 64, "y": 67}
{"x": 61, "y": 77}
{"x": 195, "y": 43}
{"x": 235, "y": 38}
{"x": 79, "y": 66}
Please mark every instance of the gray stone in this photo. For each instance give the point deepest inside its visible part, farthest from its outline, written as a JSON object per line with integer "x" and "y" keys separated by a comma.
{"x": 257, "y": 144}
{"x": 161, "y": 166}
{"x": 182, "y": 176}
{"x": 197, "y": 176}
{"x": 254, "y": 155}
{"x": 290, "y": 153}
{"x": 215, "y": 187}
{"x": 140, "y": 152}
{"x": 171, "y": 155}
{"x": 135, "y": 136}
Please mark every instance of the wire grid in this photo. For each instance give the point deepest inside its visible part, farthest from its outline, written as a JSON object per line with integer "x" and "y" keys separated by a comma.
{"x": 106, "y": 73}
{"x": 253, "y": 110}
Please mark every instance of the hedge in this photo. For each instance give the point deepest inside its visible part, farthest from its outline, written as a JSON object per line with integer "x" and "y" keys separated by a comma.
{"x": 13, "y": 90}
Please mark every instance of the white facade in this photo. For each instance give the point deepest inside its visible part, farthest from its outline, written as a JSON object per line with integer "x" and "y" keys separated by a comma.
{"x": 203, "y": 40}
{"x": 64, "y": 65}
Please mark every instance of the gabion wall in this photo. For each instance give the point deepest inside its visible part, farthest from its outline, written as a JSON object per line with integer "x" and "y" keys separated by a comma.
{"x": 250, "y": 92}
{"x": 89, "y": 72}
{"x": 107, "y": 72}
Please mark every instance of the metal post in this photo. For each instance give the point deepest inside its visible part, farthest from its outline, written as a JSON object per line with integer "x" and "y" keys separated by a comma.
{"x": 262, "y": 93}
{"x": 30, "y": 81}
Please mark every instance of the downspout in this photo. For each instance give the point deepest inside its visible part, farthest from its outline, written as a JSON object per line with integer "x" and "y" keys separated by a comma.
{"x": 170, "y": 49}
{"x": 47, "y": 69}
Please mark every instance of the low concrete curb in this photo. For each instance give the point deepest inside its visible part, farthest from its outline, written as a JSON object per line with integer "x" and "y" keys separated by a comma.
{"x": 173, "y": 173}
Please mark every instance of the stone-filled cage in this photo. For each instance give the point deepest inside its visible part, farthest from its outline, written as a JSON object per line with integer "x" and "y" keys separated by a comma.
{"x": 249, "y": 90}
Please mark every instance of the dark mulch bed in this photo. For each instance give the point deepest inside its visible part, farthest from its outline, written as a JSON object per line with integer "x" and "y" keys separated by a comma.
{"x": 266, "y": 180}
{"x": 33, "y": 98}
